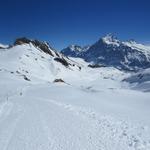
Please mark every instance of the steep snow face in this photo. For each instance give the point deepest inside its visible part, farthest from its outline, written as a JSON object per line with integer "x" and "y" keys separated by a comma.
{"x": 75, "y": 50}
{"x": 112, "y": 52}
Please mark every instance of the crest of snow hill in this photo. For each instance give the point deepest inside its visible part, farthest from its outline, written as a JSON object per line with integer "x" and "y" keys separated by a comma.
{"x": 34, "y": 60}
{"x": 45, "y": 47}
{"x": 109, "y": 51}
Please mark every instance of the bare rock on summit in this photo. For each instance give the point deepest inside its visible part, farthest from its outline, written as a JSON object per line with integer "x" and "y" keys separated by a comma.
{"x": 21, "y": 41}
{"x": 44, "y": 46}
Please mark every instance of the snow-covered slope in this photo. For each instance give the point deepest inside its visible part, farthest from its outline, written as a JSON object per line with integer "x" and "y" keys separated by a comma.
{"x": 92, "y": 109}
{"x": 140, "y": 80}
{"x": 112, "y": 52}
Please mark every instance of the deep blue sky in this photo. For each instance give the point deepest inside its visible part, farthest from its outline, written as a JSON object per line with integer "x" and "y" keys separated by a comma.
{"x": 64, "y": 22}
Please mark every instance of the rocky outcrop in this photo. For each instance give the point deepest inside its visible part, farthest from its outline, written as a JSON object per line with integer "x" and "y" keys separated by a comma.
{"x": 44, "y": 46}
{"x": 59, "y": 80}
{"x": 62, "y": 61}
{"x": 96, "y": 65}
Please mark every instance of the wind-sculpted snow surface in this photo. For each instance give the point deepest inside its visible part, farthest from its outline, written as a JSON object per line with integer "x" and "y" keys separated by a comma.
{"x": 91, "y": 110}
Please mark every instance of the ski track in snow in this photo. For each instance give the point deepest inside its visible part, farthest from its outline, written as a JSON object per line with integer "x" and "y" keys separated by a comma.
{"x": 33, "y": 123}
{"x": 109, "y": 129}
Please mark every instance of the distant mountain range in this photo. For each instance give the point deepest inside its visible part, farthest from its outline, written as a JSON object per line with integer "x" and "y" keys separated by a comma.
{"x": 107, "y": 51}
{"x": 110, "y": 51}
{"x": 33, "y": 60}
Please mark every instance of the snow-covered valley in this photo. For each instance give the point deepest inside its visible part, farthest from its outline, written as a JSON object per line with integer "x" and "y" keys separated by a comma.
{"x": 93, "y": 109}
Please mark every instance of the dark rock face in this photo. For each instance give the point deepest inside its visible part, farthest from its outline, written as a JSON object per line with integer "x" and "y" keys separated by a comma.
{"x": 96, "y": 65}
{"x": 21, "y": 41}
{"x": 121, "y": 56}
{"x": 62, "y": 61}
{"x": 42, "y": 45}
{"x": 58, "y": 80}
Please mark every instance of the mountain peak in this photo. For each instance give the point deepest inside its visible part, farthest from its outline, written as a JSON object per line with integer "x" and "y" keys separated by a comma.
{"x": 111, "y": 39}
{"x": 110, "y": 36}
{"x": 75, "y": 48}
{"x": 132, "y": 41}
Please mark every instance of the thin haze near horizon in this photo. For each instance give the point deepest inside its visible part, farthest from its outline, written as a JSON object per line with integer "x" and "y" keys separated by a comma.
{"x": 82, "y": 22}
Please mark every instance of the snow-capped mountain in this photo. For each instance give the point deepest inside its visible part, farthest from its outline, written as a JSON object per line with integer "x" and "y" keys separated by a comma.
{"x": 75, "y": 50}
{"x": 110, "y": 51}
